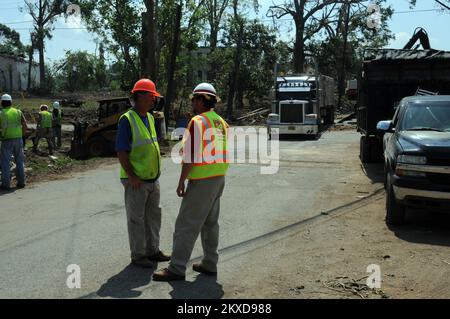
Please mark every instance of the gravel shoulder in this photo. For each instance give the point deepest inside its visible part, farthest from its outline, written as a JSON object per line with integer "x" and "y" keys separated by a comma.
{"x": 328, "y": 258}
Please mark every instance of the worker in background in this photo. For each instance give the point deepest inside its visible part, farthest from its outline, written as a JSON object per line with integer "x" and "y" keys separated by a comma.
{"x": 139, "y": 155}
{"x": 12, "y": 128}
{"x": 57, "y": 124}
{"x": 205, "y": 164}
{"x": 44, "y": 129}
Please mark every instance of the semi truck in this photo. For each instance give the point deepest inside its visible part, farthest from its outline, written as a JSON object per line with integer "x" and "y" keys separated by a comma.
{"x": 302, "y": 104}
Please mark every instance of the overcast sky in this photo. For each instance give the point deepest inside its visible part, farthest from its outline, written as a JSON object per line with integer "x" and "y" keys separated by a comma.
{"x": 402, "y": 25}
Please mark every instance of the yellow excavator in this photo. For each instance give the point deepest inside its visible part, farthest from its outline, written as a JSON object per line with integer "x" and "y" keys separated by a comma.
{"x": 98, "y": 139}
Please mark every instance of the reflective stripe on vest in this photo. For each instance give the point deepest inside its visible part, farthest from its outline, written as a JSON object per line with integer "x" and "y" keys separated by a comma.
{"x": 11, "y": 123}
{"x": 145, "y": 157}
{"x": 46, "y": 119}
{"x": 213, "y": 157}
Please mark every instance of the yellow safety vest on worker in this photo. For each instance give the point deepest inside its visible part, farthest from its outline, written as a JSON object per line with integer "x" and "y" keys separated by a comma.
{"x": 212, "y": 159}
{"x": 145, "y": 156}
{"x": 10, "y": 123}
{"x": 46, "y": 119}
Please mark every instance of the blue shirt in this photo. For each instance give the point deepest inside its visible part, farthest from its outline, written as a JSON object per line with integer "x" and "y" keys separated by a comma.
{"x": 124, "y": 138}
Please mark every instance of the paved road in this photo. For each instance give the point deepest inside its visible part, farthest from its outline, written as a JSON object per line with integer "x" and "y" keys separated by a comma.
{"x": 82, "y": 221}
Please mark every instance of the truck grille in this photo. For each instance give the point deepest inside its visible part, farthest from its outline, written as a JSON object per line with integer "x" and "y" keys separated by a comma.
{"x": 291, "y": 113}
{"x": 441, "y": 179}
{"x": 439, "y": 161}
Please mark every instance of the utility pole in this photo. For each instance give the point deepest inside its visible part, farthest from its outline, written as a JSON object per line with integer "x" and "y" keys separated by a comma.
{"x": 344, "y": 55}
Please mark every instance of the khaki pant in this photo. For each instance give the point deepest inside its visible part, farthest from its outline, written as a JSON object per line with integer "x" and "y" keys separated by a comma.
{"x": 143, "y": 219}
{"x": 199, "y": 213}
{"x": 46, "y": 133}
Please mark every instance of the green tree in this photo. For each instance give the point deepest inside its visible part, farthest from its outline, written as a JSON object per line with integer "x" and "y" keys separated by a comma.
{"x": 77, "y": 72}
{"x": 118, "y": 23}
{"x": 10, "y": 42}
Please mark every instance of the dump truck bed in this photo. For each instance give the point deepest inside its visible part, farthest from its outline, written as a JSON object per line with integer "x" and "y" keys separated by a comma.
{"x": 389, "y": 75}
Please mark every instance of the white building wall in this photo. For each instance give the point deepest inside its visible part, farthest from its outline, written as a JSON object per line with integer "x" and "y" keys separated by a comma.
{"x": 15, "y": 70}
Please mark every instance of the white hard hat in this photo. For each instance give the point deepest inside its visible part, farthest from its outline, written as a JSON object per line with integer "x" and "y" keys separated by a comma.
{"x": 205, "y": 89}
{"x": 44, "y": 107}
{"x": 56, "y": 105}
{"x": 6, "y": 97}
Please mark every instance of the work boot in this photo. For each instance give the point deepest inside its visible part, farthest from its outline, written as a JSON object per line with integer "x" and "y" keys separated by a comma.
{"x": 198, "y": 267}
{"x": 166, "y": 275}
{"x": 160, "y": 257}
{"x": 20, "y": 186}
{"x": 142, "y": 262}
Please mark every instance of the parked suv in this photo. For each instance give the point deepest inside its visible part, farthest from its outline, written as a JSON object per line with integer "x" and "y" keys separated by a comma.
{"x": 417, "y": 156}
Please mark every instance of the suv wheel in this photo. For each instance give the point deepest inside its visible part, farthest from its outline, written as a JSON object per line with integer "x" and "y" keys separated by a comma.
{"x": 395, "y": 212}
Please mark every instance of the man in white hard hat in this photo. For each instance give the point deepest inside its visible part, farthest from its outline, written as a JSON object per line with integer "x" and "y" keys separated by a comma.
{"x": 44, "y": 129}
{"x": 57, "y": 124}
{"x": 12, "y": 129}
{"x": 205, "y": 164}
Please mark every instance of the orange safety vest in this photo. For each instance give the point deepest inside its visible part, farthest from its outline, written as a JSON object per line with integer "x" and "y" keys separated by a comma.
{"x": 212, "y": 157}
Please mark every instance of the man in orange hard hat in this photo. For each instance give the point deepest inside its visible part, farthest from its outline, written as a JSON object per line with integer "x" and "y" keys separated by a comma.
{"x": 138, "y": 151}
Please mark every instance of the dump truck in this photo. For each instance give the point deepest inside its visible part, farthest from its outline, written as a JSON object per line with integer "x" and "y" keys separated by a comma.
{"x": 389, "y": 75}
{"x": 98, "y": 139}
{"x": 302, "y": 104}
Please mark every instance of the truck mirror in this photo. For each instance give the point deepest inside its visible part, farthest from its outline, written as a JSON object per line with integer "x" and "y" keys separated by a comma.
{"x": 385, "y": 127}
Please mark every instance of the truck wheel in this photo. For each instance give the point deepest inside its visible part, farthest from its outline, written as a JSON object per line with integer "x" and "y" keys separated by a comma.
{"x": 365, "y": 150}
{"x": 375, "y": 150}
{"x": 395, "y": 212}
{"x": 97, "y": 146}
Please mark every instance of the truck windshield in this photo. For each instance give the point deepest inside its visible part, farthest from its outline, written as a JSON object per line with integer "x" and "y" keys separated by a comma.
{"x": 430, "y": 116}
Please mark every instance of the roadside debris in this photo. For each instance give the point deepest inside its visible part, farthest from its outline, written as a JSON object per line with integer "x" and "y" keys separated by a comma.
{"x": 258, "y": 116}
{"x": 353, "y": 287}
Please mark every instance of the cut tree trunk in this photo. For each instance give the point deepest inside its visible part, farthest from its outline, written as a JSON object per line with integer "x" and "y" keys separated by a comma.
{"x": 172, "y": 65}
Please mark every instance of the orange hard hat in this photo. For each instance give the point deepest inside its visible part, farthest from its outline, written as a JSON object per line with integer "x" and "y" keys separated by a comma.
{"x": 145, "y": 85}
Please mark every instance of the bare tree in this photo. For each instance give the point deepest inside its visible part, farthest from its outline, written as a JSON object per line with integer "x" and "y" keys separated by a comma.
{"x": 215, "y": 10}
{"x": 44, "y": 14}
{"x": 148, "y": 50}
{"x": 310, "y": 17}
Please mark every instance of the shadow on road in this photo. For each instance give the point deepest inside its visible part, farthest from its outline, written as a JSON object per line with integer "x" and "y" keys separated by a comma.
{"x": 425, "y": 227}
{"x": 203, "y": 287}
{"x": 4, "y": 192}
{"x": 375, "y": 172}
{"x": 123, "y": 284}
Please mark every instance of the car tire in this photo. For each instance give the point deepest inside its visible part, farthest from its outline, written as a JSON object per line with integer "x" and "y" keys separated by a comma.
{"x": 376, "y": 150}
{"x": 364, "y": 151}
{"x": 395, "y": 212}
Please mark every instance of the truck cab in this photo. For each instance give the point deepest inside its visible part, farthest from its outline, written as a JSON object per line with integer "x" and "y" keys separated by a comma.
{"x": 301, "y": 105}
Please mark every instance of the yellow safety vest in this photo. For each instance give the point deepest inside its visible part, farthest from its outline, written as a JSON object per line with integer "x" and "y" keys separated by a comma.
{"x": 10, "y": 123}
{"x": 145, "y": 156}
{"x": 212, "y": 160}
{"x": 46, "y": 119}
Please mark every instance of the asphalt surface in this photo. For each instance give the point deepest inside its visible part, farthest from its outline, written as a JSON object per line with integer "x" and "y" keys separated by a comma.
{"x": 82, "y": 221}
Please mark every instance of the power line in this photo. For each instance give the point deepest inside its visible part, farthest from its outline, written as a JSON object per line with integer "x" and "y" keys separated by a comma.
{"x": 17, "y": 22}
{"x": 394, "y": 13}
{"x": 54, "y": 28}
